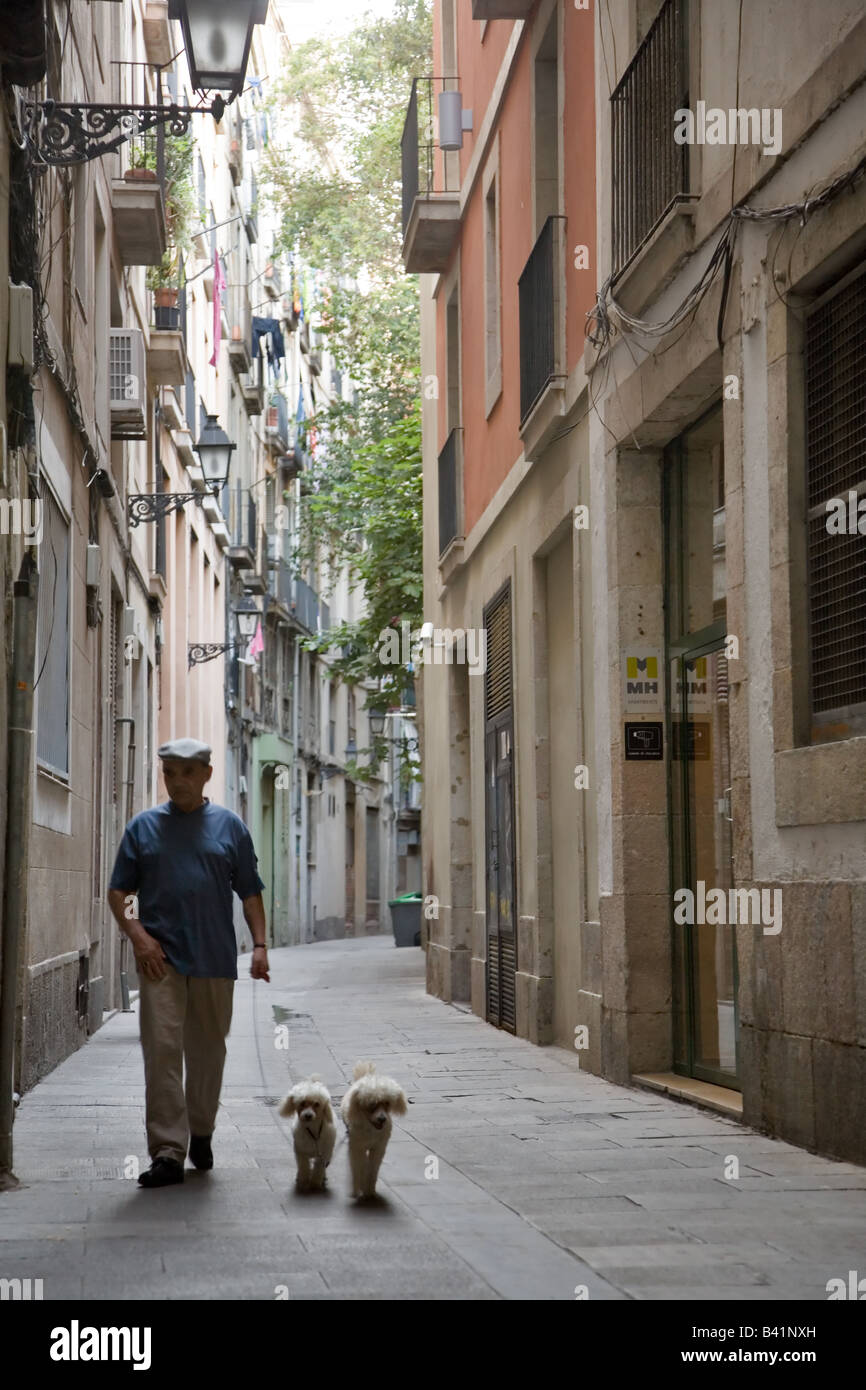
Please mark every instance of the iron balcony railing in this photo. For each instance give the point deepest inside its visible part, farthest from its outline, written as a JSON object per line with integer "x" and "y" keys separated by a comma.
{"x": 306, "y": 605}
{"x": 448, "y": 478}
{"x": 650, "y": 171}
{"x": 538, "y": 300}
{"x": 280, "y": 583}
{"x": 242, "y": 518}
{"x": 425, "y": 170}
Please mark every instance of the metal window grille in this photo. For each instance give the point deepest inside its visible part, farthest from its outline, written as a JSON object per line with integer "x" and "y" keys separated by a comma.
{"x": 835, "y": 372}
{"x": 448, "y": 492}
{"x": 649, "y": 169}
{"x": 537, "y": 300}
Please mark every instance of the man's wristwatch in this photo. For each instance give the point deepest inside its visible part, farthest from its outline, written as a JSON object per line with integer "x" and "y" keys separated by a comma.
{"x": 259, "y": 946}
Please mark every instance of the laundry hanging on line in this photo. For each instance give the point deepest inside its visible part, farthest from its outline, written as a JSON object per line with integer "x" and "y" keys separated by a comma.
{"x": 276, "y": 348}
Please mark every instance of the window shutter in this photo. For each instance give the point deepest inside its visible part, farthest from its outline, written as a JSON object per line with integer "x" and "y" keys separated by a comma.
{"x": 835, "y": 371}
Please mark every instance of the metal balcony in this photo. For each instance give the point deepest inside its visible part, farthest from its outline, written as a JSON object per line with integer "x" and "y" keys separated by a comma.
{"x": 650, "y": 171}
{"x": 540, "y": 307}
{"x": 431, "y": 185}
{"x": 242, "y": 527}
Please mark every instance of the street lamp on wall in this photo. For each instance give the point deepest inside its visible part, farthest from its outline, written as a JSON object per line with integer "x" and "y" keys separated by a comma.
{"x": 217, "y": 35}
{"x": 214, "y": 449}
{"x": 246, "y": 616}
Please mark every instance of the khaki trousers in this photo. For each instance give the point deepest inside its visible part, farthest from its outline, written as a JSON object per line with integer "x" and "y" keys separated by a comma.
{"x": 183, "y": 1018}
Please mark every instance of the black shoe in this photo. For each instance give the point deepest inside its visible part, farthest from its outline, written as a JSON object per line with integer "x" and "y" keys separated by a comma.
{"x": 200, "y": 1155}
{"x": 162, "y": 1173}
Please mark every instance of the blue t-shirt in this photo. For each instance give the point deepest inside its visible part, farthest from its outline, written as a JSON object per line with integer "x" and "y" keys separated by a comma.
{"x": 183, "y": 866}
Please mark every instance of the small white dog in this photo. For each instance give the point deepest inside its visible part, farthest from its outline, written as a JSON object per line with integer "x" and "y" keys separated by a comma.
{"x": 366, "y": 1109}
{"x": 314, "y": 1131}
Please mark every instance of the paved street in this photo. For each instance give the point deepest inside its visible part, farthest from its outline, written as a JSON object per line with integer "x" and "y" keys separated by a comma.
{"x": 548, "y": 1178}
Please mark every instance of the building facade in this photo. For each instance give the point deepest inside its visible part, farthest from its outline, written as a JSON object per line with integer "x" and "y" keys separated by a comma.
{"x": 649, "y": 840}
{"x": 120, "y": 343}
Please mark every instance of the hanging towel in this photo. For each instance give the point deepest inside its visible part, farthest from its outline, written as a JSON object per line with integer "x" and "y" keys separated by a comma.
{"x": 219, "y": 284}
{"x": 257, "y": 645}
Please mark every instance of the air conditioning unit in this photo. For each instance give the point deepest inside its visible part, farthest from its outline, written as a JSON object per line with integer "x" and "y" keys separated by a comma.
{"x": 127, "y": 384}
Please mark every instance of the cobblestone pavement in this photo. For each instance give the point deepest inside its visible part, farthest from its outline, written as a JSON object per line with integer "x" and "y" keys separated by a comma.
{"x": 548, "y": 1179}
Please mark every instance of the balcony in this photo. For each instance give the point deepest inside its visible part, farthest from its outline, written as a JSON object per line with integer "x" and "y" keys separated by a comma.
{"x": 240, "y": 332}
{"x": 138, "y": 217}
{"x": 539, "y": 297}
{"x": 242, "y": 529}
{"x": 650, "y": 172}
{"x": 449, "y": 491}
{"x": 305, "y": 605}
{"x": 280, "y": 584}
{"x": 431, "y": 186}
{"x": 253, "y": 388}
{"x": 166, "y": 357}
{"x": 277, "y": 424}
{"x": 273, "y": 281}
{"x": 501, "y": 9}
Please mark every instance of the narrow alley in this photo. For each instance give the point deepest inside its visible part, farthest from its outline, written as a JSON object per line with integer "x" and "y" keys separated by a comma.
{"x": 552, "y": 1184}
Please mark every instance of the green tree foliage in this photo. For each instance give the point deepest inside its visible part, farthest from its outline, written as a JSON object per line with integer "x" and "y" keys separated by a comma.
{"x": 337, "y": 185}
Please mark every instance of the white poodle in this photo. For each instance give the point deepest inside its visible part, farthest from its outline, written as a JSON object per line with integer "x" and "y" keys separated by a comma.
{"x": 314, "y": 1131}
{"x": 366, "y": 1109}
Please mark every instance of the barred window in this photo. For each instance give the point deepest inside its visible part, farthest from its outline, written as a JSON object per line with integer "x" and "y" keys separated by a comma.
{"x": 835, "y": 382}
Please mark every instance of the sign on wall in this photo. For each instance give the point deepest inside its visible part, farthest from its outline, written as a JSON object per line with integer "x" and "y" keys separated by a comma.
{"x": 642, "y": 680}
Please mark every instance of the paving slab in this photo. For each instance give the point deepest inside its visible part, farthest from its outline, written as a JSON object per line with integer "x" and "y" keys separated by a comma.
{"x": 547, "y": 1179}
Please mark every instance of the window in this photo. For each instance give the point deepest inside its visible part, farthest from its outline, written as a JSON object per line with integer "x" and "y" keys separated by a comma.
{"x": 835, "y": 390}
{"x": 52, "y": 645}
{"x": 492, "y": 291}
{"x": 546, "y": 127}
{"x": 452, "y": 361}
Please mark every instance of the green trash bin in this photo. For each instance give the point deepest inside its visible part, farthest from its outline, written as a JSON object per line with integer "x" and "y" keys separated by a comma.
{"x": 406, "y": 919}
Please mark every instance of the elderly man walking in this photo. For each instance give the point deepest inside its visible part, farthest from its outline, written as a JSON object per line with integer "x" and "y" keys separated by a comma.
{"x": 171, "y": 893}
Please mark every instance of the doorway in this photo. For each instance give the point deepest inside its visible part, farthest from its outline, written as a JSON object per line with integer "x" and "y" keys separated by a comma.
{"x": 706, "y": 1023}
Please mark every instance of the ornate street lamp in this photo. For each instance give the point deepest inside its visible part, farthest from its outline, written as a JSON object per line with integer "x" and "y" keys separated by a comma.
{"x": 377, "y": 722}
{"x": 246, "y": 616}
{"x": 214, "y": 449}
{"x": 217, "y": 36}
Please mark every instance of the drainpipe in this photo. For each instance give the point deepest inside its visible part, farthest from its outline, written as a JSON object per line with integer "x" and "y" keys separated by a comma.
{"x": 18, "y": 791}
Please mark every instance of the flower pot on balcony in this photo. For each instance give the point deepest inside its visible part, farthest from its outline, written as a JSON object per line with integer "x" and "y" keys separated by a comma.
{"x": 166, "y": 316}
{"x": 140, "y": 176}
{"x": 165, "y": 297}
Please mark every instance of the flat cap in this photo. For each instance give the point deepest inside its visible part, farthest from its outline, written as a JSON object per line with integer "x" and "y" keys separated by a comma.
{"x": 185, "y": 748}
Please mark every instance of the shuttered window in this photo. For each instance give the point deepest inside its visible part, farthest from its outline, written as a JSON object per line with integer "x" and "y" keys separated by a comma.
{"x": 835, "y": 380}
{"x": 497, "y": 678}
{"x": 52, "y": 642}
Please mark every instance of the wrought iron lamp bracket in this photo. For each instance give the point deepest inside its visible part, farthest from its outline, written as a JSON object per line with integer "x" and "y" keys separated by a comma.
{"x": 74, "y": 132}
{"x": 200, "y": 652}
{"x": 152, "y": 506}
